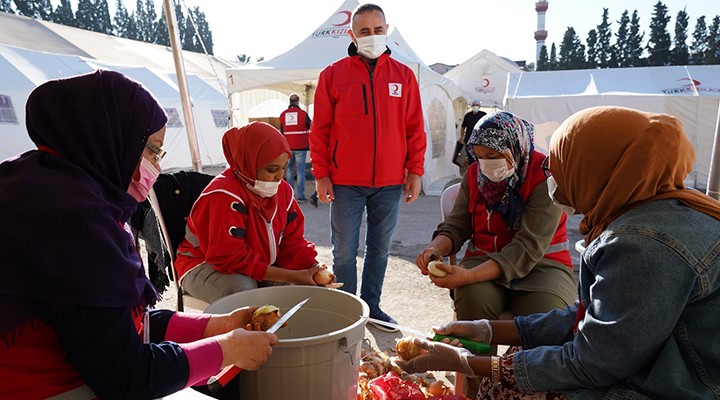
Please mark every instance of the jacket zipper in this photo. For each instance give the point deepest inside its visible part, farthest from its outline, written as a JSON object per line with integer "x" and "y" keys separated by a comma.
{"x": 374, "y": 117}
{"x": 335, "y": 154}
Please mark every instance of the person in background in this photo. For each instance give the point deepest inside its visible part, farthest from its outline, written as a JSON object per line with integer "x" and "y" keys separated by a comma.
{"x": 74, "y": 296}
{"x": 470, "y": 119}
{"x": 518, "y": 258}
{"x": 367, "y": 142}
{"x": 295, "y": 125}
{"x": 646, "y": 321}
{"x": 246, "y": 230}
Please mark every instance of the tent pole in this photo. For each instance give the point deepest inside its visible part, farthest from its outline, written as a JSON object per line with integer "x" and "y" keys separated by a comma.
{"x": 182, "y": 85}
{"x": 713, "y": 189}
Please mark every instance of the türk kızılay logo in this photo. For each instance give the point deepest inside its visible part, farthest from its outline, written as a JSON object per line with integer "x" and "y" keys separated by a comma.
{"x": 485, "y": 87}
{"x": 689, "y": 85}
{"x": 339, "y": 26}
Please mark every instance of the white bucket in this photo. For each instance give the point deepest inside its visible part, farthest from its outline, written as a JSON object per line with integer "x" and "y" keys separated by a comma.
{"x": 317, "y": 356}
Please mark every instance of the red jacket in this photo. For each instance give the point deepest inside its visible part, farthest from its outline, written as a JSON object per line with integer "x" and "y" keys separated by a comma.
{"x": 235, "y": 239}
{"x": 491, "y": 233}
{"x": 295, "y": 125}
{"x": 367, "y": 129}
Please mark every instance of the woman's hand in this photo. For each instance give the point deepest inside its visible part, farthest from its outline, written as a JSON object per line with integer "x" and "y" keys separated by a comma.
{"x": 479, "y": 331}
{"x": 437, "y": 356}
{"x": 456, "y": 277}
{"x": 248, "y": 350}
{"x": 304, "y": 276}
{"x": 426, "y": 255}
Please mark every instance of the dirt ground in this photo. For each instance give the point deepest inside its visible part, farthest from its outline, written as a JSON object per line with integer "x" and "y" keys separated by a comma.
{"x": 408, "y": 296}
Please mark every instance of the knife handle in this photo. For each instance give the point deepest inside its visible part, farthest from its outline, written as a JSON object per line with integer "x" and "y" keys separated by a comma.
{"x": 216, "y": 382}
{"x": 475, "y": 347}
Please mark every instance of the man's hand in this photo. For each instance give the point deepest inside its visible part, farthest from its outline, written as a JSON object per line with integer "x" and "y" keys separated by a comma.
{"x": 324, "y": 189}
{"x": 413, "y": 184}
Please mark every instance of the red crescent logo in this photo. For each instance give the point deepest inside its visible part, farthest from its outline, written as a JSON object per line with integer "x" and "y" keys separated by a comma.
{"x": 486, "y": 82}
{"x": 347, "y": 16}
{"x": 693, "y": 82}
{"x": 395, "y": 87}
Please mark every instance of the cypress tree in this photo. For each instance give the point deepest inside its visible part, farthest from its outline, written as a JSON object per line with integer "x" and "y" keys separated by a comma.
{"x": 659, "y": 41}
{"x": 604, "y": 53}
{"x": 553, "y": 60}
{"x": 635, "y": 48}
{"x": 103, "y": 22}
{"x": 121, "y": 19}
{"x": 698, "y": 48}
{"x": 63, "y": 14}
{"x": 572, "y": 51}
{"x": 163, "y": 37}
{"x": 85, "y": 15}
{"x": 680, "y": 54}
{"x": 5, "y": 6}
{"x": 712, "y": 55}
{"x": 542, "y": 63}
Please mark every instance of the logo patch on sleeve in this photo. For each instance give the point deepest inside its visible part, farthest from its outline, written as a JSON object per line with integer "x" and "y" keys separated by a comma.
{"x": 395, "y": 89}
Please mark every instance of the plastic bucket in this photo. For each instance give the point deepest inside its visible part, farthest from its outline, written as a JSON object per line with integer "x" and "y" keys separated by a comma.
{"x": 319, "y": 349}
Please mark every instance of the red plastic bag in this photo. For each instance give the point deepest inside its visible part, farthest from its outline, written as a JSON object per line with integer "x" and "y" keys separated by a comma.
{"x": 448, "y": 397}
{"x": 391, "y": 387}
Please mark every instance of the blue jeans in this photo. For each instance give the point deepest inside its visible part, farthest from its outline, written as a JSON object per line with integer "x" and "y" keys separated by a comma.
{"x": 346, "y": 212}
{"x": 298, "y": 159}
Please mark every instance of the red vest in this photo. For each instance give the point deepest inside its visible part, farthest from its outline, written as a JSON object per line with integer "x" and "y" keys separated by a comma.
{"x": 491, "y": 232}
{"x": 295, "y": 124}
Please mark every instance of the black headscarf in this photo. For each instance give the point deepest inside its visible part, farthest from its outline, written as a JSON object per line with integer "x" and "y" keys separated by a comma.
{"x": 63, "y": 208}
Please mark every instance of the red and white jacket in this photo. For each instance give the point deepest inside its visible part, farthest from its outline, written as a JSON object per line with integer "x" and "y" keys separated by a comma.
{"x": 368, "y": 128}
{"x": 295, "y": 125}
{"x": 224, "y": 231}
{"x": 492, "y": 232}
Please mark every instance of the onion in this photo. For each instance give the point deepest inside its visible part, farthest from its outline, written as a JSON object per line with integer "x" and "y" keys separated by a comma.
{"x": 435, "y": 271}
{"x": 408, "y": 348}
{"x": 323, "y": 276}
{"x": 264, "y": 317}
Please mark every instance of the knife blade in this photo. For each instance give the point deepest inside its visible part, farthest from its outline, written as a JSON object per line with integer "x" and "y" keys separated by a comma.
{"x": 475, "y": 347}
{"x": 216, "y": 382}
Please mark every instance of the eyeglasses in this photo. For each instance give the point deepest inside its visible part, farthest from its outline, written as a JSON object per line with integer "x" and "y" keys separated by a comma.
{"x": 545, "y": 167}
{"x": 158, "y": 152}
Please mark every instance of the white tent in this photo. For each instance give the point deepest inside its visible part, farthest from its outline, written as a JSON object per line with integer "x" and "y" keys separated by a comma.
{"x": 33, "y": 51}
{"x": 691, "y": 93}
{"x": 483, "y": 77}
{"x": 297, "y": 71}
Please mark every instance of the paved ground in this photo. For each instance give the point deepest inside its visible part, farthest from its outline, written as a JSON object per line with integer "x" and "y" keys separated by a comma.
{"x": 408, "y": 296}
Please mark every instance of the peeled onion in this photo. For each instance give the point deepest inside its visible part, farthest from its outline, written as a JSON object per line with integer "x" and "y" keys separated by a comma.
{"x": 323, "y": 276}
{"x": 435, "y": 271}
{"x": 408, "y": 348}
{"x": 264, "y": 317}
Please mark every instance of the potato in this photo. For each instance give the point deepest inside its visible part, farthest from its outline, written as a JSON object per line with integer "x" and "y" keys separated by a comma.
{"x": 264, "y": 317}
{"x": 408, "y": 348}
{"x": 323, "y": 276}
{"x": 434, "y": 270}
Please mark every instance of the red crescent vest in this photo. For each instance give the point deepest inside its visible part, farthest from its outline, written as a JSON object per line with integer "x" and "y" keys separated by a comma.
{"x": 294, "y": 122}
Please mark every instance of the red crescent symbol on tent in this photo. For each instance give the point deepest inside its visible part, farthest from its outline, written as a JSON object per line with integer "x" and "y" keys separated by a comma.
{"x": 347, "y": 15}
{"x": 486, "y": 82}
{"x": 693, "y": 82}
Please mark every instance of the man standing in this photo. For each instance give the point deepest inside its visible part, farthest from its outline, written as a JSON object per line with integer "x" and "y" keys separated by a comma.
{"x": 469, "y": 121}
{"x": 367, "y": 144}
{"x": 295, "y": 125}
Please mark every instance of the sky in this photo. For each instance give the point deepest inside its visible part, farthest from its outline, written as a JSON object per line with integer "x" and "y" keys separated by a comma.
{"x": 449, "y": 31}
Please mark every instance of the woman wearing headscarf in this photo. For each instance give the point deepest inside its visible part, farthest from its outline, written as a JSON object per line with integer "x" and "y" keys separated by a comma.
{"x": 246, "y": 230}
{"x": 74, "y": 294}
{"x": 645, "y": 326}
{"x": 518, "y": 255}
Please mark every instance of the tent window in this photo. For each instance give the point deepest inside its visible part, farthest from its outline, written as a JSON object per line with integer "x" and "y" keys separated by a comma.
{"x": 220, "y": 117}
{"x": 173, "y": 118}
{"x": 7, "y": 113}
{"x": 436, "y": 122}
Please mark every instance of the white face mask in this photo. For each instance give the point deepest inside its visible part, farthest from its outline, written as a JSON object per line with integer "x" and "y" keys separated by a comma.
{"x": 475, "y": 109}
{"x": 552, "y": 187}
{"x": 496, "y": 170}
{"x": 372, "y": 46}
{"x": 264, "y": 188}
{"x": 148, "y": 175}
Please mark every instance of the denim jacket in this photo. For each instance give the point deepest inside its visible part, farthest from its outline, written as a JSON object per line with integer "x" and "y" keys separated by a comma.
{"x": 650, "y": 283}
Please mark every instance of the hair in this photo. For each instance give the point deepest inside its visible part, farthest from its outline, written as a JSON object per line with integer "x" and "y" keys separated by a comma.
{"x": 367, "y": 7}
{"x": 294, "y": 98}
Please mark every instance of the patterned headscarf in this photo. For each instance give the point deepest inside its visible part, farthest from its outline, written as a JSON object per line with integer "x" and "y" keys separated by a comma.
{"x": 607, "y": 160}
{"x": 249, "y": 148}
{"x": 63, "y": 207}
{"x": 511, "y": 136}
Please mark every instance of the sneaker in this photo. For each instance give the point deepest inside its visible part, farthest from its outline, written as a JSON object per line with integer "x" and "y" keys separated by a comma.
{"x": 314, "y": 200}
{"x": 301, "y": 201}
{"x": 379, "y": 314}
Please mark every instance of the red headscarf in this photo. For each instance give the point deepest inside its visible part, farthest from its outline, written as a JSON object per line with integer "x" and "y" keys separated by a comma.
{"x": 249, "y": 148}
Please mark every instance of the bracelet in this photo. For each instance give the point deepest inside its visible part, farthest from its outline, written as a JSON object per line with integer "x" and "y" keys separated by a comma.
{"x": 495, "y": 369}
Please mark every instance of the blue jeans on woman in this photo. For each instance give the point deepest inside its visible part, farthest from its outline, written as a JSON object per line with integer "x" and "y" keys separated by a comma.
{"x": 298, "y": 159}
{"x": 346, "y": 212}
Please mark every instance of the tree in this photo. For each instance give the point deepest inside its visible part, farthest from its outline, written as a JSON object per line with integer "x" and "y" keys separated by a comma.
{"x": 659, "y": 41}
{"x": 680, "y": 54}
{"x": 5, "y": 6}
{"x": 635, "y": 43}
{"x": 604, "y": 53}
{"x": 163, "y": 36}
{"x": 542, "y": 64}
{"x": 553, "y": 60}
{"x": 572, "y": 51}
{"x": 121, "y": 20}
{"x": 85, "y": 15}
{"x": 204, "y": 34}
{"x": 38, "y": 9}
{"x": 592, "y": 49}
{"x": 103, "y": 22}
{"x": 151, "y": 22}
{"x": 63, "y": 14}
{"x": 698, "y": 48}
{"x": 712, "y": 55}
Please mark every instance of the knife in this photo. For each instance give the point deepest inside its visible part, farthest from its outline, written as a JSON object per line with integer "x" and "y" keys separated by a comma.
{"x": 216, "y": 382}
{"x": 475, "y": 347}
